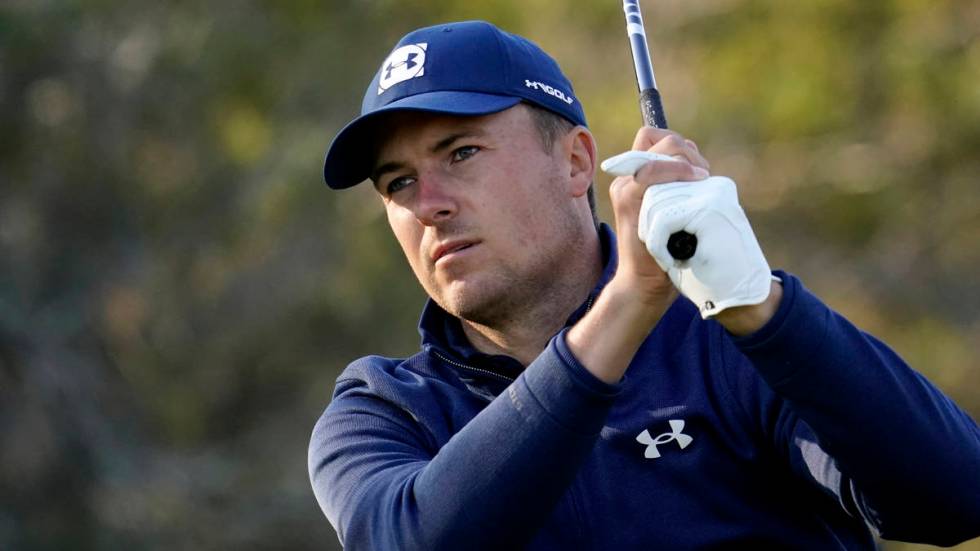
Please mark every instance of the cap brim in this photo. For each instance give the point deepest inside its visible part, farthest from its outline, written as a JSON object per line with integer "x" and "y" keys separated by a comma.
{"x": 351, "y": 153}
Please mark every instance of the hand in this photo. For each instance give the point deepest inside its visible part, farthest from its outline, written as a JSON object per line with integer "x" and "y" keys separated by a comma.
{"x": 728, "y": 269}
{"x": 638, "y": 274}
{"x": 728, "y": 274}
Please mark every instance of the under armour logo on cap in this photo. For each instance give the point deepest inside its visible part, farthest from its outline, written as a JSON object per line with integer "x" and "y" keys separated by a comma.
{"x": 675, "y": 434}
{"x": 404, "y": 63}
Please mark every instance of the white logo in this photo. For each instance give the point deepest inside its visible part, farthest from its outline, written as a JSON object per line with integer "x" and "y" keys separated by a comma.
{"x": 676, "y": 426}
{"x": 404, "y": 63}
{"x": 551, "y": 91}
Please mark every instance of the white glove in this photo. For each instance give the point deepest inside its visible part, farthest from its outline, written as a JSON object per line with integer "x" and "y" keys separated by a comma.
{"x": 728, "y": 268}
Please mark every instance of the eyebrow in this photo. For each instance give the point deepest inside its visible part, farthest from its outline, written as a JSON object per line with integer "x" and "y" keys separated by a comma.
{"x": 441, "y": 145}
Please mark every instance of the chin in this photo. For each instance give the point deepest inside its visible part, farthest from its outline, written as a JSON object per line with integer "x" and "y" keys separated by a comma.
{"x": 476, "y": 305}
{"x": 481, "y": 297}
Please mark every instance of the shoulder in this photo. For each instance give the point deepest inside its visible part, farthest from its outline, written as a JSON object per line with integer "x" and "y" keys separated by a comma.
{"x": 417, "y": 399}
{"x": 420, "y": 388}
{"x": 372, "y": 391}
{"x": 368, "y": 370}
{"x": 384, "y": 376}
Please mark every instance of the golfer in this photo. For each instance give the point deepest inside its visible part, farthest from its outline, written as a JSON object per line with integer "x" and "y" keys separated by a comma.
{"x": 578, "y": 388}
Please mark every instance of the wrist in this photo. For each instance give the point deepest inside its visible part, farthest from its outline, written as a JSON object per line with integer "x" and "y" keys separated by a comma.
{"x": 644, "y": 301}
{"x": 607, "y": 337}
{"x": 745, "y": 320}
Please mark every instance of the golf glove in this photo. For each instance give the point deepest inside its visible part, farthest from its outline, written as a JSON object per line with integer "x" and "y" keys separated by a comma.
{"x": 728, "y": 268}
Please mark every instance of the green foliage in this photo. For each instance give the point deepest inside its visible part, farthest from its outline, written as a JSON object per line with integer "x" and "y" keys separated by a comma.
{"x": 178, "y": 290}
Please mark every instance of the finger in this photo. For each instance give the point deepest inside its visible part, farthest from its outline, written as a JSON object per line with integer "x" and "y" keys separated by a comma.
{"x": 662, "y": 172}
{"x": 677, "y": 146}
{"x": 628, "y": 162}
{"x": 647, "y": 136}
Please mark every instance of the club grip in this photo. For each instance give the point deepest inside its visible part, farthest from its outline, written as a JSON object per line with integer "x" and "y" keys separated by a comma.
{"x": 652, "y": 108}
{"x": 681, "y": 245}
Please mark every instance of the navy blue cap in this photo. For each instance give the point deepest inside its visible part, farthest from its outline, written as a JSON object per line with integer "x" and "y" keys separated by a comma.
{"x": 468, "y": 68}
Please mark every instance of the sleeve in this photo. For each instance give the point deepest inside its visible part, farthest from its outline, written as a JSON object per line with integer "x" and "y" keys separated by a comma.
{"x": 860, "y": 422}
{"x": 383, "y": 485}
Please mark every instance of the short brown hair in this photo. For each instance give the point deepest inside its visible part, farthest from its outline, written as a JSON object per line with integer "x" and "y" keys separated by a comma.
{"x": 550, "y": 127}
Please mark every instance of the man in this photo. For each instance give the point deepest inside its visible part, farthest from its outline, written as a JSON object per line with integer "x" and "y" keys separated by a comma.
{"x": 566, "y": 396}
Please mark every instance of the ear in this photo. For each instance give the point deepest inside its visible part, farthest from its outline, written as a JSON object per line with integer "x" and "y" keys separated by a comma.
{"x": 580, "y": 148}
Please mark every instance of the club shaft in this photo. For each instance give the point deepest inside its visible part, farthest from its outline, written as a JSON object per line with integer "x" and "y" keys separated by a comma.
{"x": 651, "y": 105}
{"x": 680, "y": 245}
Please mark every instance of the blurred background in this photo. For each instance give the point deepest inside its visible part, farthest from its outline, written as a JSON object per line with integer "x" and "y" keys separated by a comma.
{"x": 179, "y": 290}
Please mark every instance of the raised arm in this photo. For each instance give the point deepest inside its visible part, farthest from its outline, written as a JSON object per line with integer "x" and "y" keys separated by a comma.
{"x": 892, "y": 447}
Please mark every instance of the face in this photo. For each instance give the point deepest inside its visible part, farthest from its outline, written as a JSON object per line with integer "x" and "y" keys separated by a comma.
{"x": 485, "y": 216}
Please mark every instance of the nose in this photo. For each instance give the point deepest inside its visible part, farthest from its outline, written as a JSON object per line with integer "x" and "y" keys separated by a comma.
{"x": 435, "y": 202}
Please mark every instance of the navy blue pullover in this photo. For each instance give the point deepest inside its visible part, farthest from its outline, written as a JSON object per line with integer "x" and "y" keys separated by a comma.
{"x": 808, "y": 434}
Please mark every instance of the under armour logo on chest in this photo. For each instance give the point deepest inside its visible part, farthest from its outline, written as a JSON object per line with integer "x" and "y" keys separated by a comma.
{"x": 675, "y": 435}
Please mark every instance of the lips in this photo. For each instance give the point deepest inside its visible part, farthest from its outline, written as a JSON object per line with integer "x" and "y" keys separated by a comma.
{"x": 451, "y": 247}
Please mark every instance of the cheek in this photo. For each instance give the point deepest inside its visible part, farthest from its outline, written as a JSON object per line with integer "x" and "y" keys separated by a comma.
{"x": 534, "y": 204}
{"x": 407, "y": 232}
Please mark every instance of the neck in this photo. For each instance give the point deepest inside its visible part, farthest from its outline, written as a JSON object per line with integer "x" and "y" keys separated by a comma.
{"x": 525, "y": 333}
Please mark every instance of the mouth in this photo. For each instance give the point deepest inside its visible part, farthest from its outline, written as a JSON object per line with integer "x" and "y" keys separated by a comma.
{"x": 450, "y": 249}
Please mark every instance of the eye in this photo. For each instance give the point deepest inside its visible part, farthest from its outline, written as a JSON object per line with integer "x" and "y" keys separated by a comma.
{"x": 465, "y": 152}
{"x": 397, "y": 184}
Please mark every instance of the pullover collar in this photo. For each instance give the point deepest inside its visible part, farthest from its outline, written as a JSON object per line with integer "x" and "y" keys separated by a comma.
{"x": 443, "y": 333}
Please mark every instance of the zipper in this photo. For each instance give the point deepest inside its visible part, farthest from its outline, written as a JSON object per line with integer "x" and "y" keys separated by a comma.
{"x": 454, "y": 363}
{"x": 478, "y": 370}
